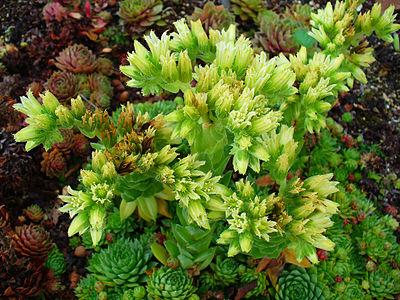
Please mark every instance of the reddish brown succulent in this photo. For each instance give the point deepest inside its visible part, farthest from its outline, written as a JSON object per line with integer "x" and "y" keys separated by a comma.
{"x": 53, "y": 163}
{"x": 67, "y": 144}
{"x": 34, "y": 213}
{"x": 101, "y": 89}
{"x": 63, "y": 85}
{"x": 76, "y": 59}
{"x": 212, "y": 16}
{"x": 35, "y": 87}
{"x": 32, "y": 241}
{"x": 81, "y": 146}
{"x": 54, "y": 11}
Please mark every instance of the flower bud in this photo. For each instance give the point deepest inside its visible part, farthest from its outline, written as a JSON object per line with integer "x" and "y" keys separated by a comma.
{"x": 97, "y": 216}
{"x": 108, "y": 171}
{"x": 78, "y": 107}
{"x": 79, "y": 224}
{"x": 98, "y": 160}
{"x": 50, "y": 102}
{"x": 89, "y": 177}
{"x": 198, "y": 213}
{"x": 241, "y": 161}
{"x": 169, "y": 71}
{"x": 234, "y": 248}
{"x": 246, "y": 241}
{"x": 200, "y": 34}
{"x": 185, "y": 67}
{"x": 64, "y": 115}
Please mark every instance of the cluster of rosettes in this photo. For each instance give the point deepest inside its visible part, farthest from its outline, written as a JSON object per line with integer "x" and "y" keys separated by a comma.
{"x": 81, "y": 73}
{"x": 338, "y": 28}
{"x": 248, "y": 218}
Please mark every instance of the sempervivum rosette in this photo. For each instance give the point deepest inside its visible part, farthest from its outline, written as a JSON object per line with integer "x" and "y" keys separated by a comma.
{"x": 53, "y": 163}
{"x": 122, "y": 264}
{"x": 140, "y": 13}
{"x": 76, "y": 59}
{"x": 63, "y": 85}
{"x": 212, "y": 16}
{"x": 34, "y": 213}
{"x": 299, "y": 283}
{"x": 32, "y": 241}
{"x": 227, "y": 271}
{"x": 170, "y": 284}
{"x": 56, "y": 262}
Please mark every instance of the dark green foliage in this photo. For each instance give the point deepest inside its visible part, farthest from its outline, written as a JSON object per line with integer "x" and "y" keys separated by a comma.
{"x": 170, "y": 284}
{"x": 56, "y": 262}
{"x": 300, "y": 283}
{"x": 121, "y": 264}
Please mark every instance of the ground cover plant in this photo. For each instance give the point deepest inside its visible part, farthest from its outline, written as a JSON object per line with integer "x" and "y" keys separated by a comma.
{"x": 232, "y": 177}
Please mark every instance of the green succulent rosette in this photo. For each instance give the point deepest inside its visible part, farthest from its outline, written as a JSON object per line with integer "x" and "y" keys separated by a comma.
{"x": 227, "y": 271}
{"x": 56, "y": 262}
{"x": 122, "y": 264}
{"x": 300, "y": 283}
{"x": 170, "y": 284}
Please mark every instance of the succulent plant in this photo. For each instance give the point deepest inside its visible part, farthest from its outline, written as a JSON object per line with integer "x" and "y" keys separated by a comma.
{"x": 190, "y": 245}
{"x": 67, "y": 144}
{"x": 54, "y": 11}
{"x": 86, "y": 288}
{"x": 104, "y": 66}
{"x": 53, "y": 163}
{"x": 262, "y": 282}
{"x": 140, "y": 14}
{"x": 81, "y": 145}
{"x": 206, "y": 282}
{"x": 32, "y": 241}
{"x": 170, "y": 284}
{"x": 277, "y": 32}
{"x": 300, "y": 283}
{"x": 138, "y": 292}
{"x": 213, "y": 16}
{"x": 63, "y": 85}
{"x": 382, "y": 284}
{"x": 56, "y": 262}
{"x": 247, "y": 9}
{"x": 122, "y": 264}
{"x": 227, "y": 270}
{"x": 76, "y": 59}
{"x": 101, "y": 89}
{"x": 34, "y": 213}
{"x": 119, "y": 227}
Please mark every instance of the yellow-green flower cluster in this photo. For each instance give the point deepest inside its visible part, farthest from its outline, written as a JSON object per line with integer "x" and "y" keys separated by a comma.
{"x": 308, "y": 204}
{"x": 319, "y": 78}
{"x": 339, "y": 30}
{"x": 281, "y": 148}
{"x": 247, "y": 216}
{"x": 89, "y": 205}
{"x": 196, "y": 190}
